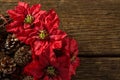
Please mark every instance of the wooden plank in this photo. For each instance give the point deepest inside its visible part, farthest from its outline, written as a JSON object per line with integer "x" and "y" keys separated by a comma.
{"x": 98, "y": 69}
{"x": 93, "y": 23}
{"x": 9, "y": 0}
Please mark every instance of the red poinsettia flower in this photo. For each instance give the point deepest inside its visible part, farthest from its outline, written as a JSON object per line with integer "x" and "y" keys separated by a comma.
{"x": 24, "y": 17}
{"x": 69, "y": 48}
{"x": 44, "y": 34}
{"x": 72, "y": 47}
{"x": 45, "y": 69}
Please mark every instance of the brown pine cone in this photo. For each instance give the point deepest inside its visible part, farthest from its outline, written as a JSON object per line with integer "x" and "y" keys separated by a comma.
{"x": 2, "y": 20}
{"x": 28, "y": 78}
{"x": 2, "y": 54}
{"x": 4, "y": 76}
{"x": 11, "y": 45}
{"x": 3, "y": 36}
{"x": 23, "y": 55}
{"x": 7, "y": 65}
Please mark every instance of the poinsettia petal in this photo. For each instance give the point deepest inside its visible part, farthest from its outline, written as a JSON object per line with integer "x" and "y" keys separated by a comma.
{"x": 58, "y": 35}
{"x": 38, "y": 26}
{"x": 25, "y": 36}
{"x": 56, "y": 44}
{"x": 36, "y": 78}
{"x": 63, "y": 74}
{"x": 35, "y": 9}
{"x": 15, "y": 16}
{"x": 59, "y": 78}
{"x": 74, "y": 66}
{"x": 74, "y": 47}
{"x": 39, "y": 46}
{"x": 51, "y": 21}
{"x": 46, "y": 78}
{"x": 21, "y": 10}
{"x": 27, "y": 26}
{"x": 64, "y": 67}
{"x": 22, "y": 38}
{"x": 13, "y": 27}
{"x": 34, "y": 69}
{"x": 39, "y": 17}
{"x": 24, "y": 4}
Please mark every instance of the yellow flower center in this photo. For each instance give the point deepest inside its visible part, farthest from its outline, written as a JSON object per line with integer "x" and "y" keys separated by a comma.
{"x": 42, "y": 34}
{"x": 28, "y": 19}
{"x": 51, "y": 70}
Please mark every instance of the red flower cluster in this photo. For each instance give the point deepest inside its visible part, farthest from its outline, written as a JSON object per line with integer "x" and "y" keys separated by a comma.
{"x": 54, "y": 54}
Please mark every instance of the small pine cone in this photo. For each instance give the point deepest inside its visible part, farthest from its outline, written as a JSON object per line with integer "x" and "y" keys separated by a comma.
{"x": 3, "y": 36}
{"x": 23, "y": 55}
{"x": 2, "y": 54}
{"x": 11, "y": 45}
{"x": 4, "y": 76}
{"x": 7, "y": 65}
{"x": 2, "y": 20}
{"x": 28, "y": 78}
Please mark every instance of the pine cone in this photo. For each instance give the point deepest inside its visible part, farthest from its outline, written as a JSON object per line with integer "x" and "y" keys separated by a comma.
{"x": 3, "y": 21}
{"x": 2, "y": 54}
{"x": 3, "y": 33}
{"x": 11, "y": 45}
{"x": 7, "y": 65}
{"x": 4, "y": 76}
{"x": 3, "y": 36}
{"x": 23, "y": 55}
{"x": 28, "y": 78}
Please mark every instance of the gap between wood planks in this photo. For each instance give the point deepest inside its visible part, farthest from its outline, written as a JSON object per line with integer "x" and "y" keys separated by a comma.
{"x": 98, "y": 55}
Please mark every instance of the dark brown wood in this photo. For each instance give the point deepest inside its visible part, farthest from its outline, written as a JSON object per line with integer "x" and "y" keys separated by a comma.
{"x": 93, "y": 23}
{"x": 98, "y": 69}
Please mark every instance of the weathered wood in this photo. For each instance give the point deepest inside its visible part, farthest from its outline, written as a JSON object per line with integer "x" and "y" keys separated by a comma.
{"x": 93, "y": 23}
{"x": 98, "y": 69}
{"x": 8, "y": 0}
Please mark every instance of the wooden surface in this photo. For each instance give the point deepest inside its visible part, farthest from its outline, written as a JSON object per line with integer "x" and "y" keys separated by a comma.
{"x": 98, "y": 69}
{"x": 95, "y": 24}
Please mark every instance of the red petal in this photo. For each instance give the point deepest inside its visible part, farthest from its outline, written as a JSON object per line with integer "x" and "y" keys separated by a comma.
{"x": 51, "y": 21}
{"x": 34, "y": 69}
{"x": 23, "y": 4}
{"x": 56, "y": 44}
{"x": 21, "y": 10}
{"x": 39, "y": 47}
{"x": 73, "y": 47}
{"x": 13, "y": 27}
{"x": 39, "y": 16}
{"x": 35, "y": 9}
{"x": 74, "y": 66}
{"x": 27, "y": 26}
{"x": 16, "y": 16}
{"x": 58, "y": 35}
{"x": 46, "y": 78}
{"x": 25, "y": 37}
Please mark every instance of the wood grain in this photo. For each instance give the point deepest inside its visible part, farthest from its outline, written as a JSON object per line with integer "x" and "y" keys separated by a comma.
{"x": 98, "y": 69}
{"x": 93, "y": 23}
{"x": 8, "y": 0}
